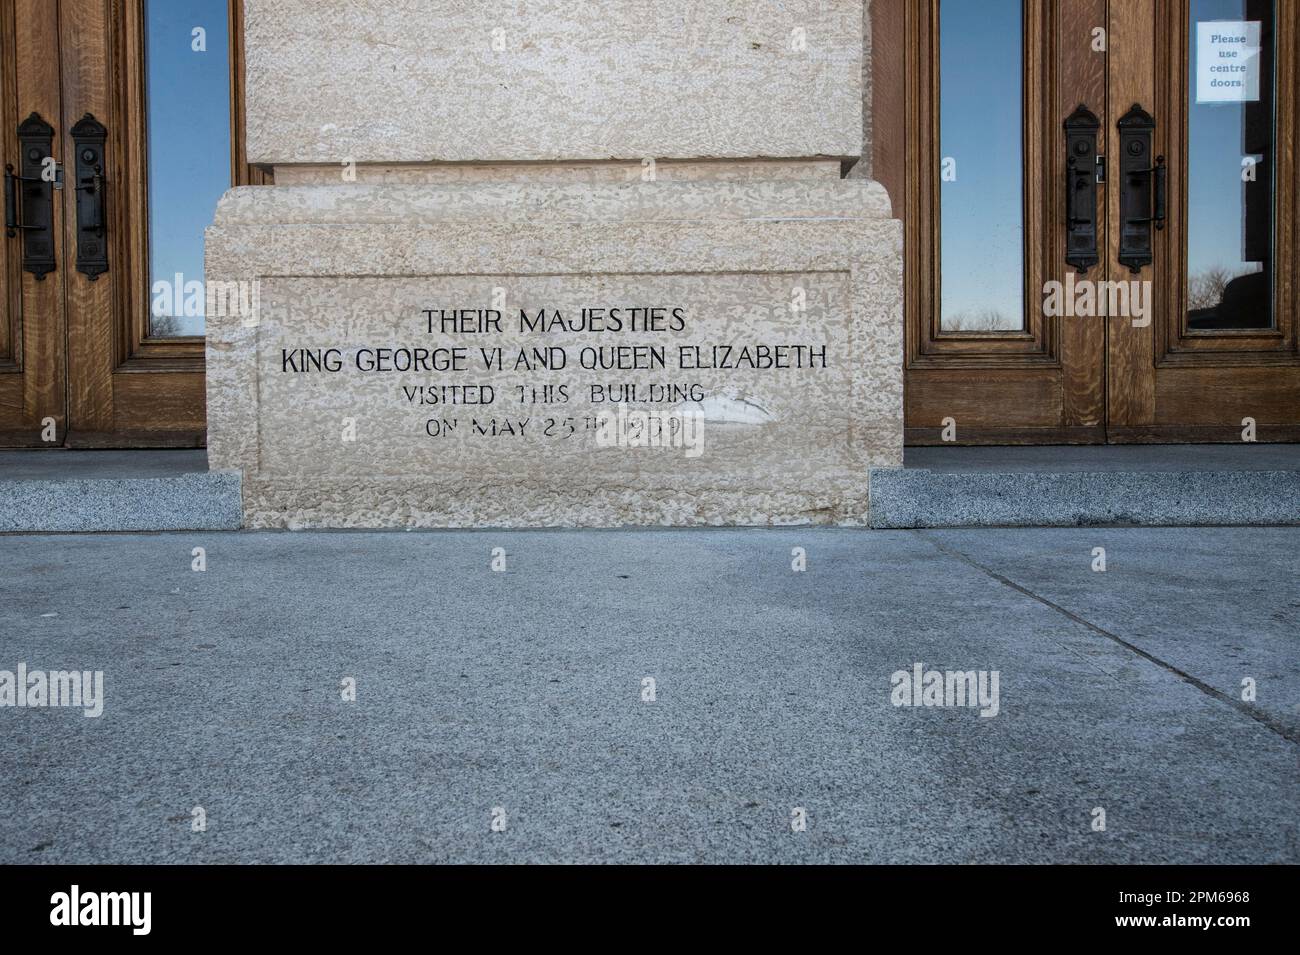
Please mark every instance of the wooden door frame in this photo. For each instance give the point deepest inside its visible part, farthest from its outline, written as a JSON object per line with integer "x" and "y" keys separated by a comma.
{"x": 126, "y": 388}
{"x": 1049, "y": 376}
{"x": 1159, "y": 376}
{"x": 1112, "y": 397}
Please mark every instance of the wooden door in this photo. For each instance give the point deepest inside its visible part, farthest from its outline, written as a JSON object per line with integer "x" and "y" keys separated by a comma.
{"x": 1219, "y": 359}
{"x": 970, "y": 102}
{"x": 1185, "y": 328}
{"x": 33, "y": 411}
{"x": 113, "y": 343}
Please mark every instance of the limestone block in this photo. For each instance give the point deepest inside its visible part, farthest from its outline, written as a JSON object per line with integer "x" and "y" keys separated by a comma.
{"x": 401, "y": 81}
{"x": 534, "y": 354}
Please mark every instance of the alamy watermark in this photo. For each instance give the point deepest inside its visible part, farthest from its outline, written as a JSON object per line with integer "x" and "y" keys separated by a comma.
{"x": 642, "y": 429}
{"x": 969, "y": 688}
{"x": 53, "y": 688}
{"x": 214, "y": 297}
{"x": 1084, "y": 298}
{"x": 75, "y": 907}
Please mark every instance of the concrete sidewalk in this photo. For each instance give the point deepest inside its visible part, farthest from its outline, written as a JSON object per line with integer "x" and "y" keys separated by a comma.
{"x": 523, "y": 691}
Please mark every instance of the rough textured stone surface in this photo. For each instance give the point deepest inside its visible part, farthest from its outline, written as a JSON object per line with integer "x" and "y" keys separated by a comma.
{"x": 545, "y": 205}
{"x": 486, "y": 80}
{"x": 865, "y": 167}
{"x": 916, "y": 497}
{"x": 206, "y": 501}
{"x": 352, "y": 267}
{"x": 722, "y": 170}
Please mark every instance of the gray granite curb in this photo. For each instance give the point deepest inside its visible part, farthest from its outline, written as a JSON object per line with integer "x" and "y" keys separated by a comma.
{"x": 199, "y": 501}
{"x": 916, "y": 497}
{"x": 900, "y": 498}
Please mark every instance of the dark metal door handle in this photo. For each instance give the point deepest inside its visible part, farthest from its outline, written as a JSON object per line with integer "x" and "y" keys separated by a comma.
{"x": 1142, "y": 185}
{"x": 29, "y": 196}
{"x": 1162, "y": 184}
{"x": 88, "y": 138}
{"x": 1081, "y": 166}
{"x": 11, "y": 202}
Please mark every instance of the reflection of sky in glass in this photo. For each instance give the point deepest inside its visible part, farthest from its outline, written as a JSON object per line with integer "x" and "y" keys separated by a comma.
{"x": 981, "y": 211}
{"x": 1216, "y": 147}
{"x": 189, "y": 141}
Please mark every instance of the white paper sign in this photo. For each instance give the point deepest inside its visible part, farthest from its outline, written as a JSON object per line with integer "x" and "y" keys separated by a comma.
{"x": 1227, "y": 61}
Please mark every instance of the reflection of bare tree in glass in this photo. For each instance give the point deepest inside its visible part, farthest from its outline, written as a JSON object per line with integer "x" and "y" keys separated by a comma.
{"x": 1229, "y": 297}
{"x": 164, "y": 326}
{"x": 1205, "y": 289}
{"x": 977, "y": 320}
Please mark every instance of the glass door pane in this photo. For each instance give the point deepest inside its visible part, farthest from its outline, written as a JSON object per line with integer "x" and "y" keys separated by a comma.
{"x": 1230, "y": 165}
{"x": 981, "y": 196}
{"x": 187, "y": 85}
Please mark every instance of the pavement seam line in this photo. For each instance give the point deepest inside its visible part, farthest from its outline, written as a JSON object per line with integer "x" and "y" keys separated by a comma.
{"x": 1259, "y": 716}
{"x": 1078, "y": 656}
